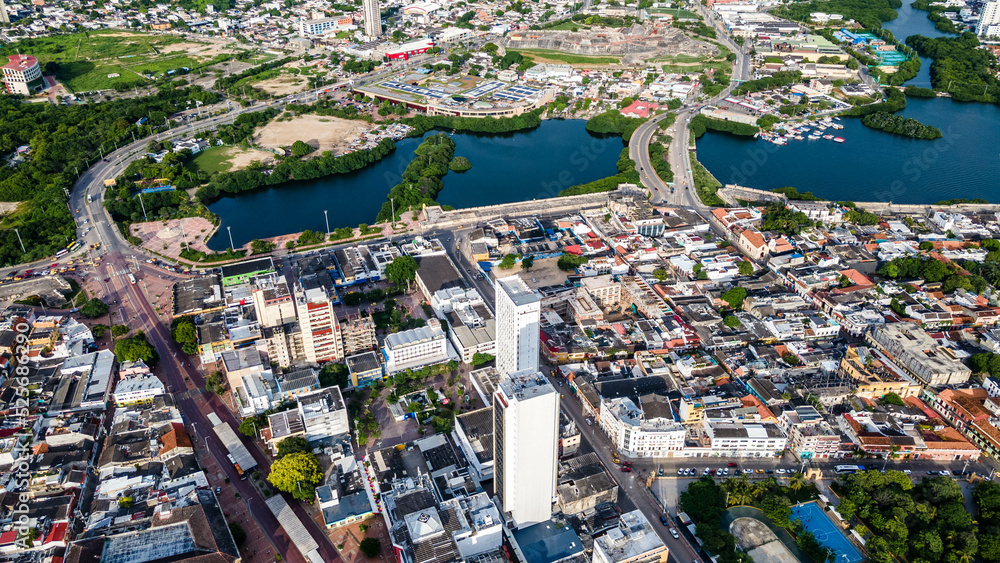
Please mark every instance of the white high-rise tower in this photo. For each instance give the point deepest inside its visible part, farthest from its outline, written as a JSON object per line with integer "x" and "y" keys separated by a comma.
{"x": 373, "y": 17}
{"x": 525, "y": 446}
{"x": 3, "y": 13}
{"x": 518, "y": 310}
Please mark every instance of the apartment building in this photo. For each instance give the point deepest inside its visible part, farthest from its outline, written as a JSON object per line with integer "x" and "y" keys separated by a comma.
{"x": 633, "y": 541}
{"x": 518, "y": 311}
{"x": 875, "y": 375}
{"x": 321, "y": 336}
{"x": 737, "y": 438}
{"x": 416, "y": 348}
{"x": 916, "y": 352}
{"x": 324, "y": 415}
{"x": 644, "y": 430}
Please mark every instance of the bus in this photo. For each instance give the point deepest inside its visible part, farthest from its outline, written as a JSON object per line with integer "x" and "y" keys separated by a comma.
{"x": 848, "y": 469}
{"x": 62, "y": 253}
{"x": 74, "y": 246}
{"x": 131, "y": 279}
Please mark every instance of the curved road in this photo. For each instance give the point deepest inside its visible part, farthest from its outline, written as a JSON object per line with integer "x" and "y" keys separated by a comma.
{"x": 678, "y": 153}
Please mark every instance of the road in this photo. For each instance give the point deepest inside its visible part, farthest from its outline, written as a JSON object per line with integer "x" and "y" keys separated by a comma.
{"x": 630, "y": 485}
{"x": 683, "y": 191}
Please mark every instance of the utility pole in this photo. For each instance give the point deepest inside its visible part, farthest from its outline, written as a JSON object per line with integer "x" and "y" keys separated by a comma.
{"x": 230, "y": 231}
{"x": 143, "y": 207}
{"x": 392, "y": 202}
{"x": 20, "y": 241}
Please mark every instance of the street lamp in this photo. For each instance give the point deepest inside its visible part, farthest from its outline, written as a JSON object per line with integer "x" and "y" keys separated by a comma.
{"x": 230, "y": 231}
{"x": 20, "y": 241}
{"x": 327, "y": 218}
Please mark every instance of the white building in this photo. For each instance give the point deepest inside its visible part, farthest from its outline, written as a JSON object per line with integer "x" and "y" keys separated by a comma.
{"x": 989, "y": 20}
{"x": 481, "y": 528}
{"x": 518, "y": 309}
{"x": 138, "y": 390}
{"x": 373, "y": 17}
{"x": 526, "y": 443}
{"x": 744, "y": 439}
{"x": 642, "y": 432}
{"x": 324, "y": 415}
{"x": 254, "y": 394}
{"x": 319, "y": 26}
{"x": 416, "y": 348}
{"x": 633, "y": 541}
{"x": 321, "y": 338}
{"x": 22, "y": 75}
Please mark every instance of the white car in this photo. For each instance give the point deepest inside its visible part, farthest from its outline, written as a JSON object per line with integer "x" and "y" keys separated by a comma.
{"x": 907, "y": 471}
{"x": 779, "y": 471}
{"x": 681, "y": 472}
{"x": 945, "y": 473}
{"x": 673, "y": 532}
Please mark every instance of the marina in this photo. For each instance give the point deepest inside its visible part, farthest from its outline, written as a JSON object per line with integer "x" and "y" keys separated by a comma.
{"x": 807, "y": 130}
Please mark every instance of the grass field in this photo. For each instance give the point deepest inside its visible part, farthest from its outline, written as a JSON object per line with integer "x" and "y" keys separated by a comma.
{"x": 84, "y": 60}
{"x": 212, "y": 160}
{"x": 544, "y": 55}
{"x": 568, "y": 26}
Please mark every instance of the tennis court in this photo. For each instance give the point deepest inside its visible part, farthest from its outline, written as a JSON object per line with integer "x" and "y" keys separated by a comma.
{"x": 815, "y": 520}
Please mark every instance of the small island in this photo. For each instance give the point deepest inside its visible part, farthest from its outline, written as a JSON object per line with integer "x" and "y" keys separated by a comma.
{"x": 899, "y": 125}
{"x": 459, "y": 164}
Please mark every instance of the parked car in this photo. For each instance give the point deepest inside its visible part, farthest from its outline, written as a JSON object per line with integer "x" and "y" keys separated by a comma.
{"x": 779, "y": 471}
{"x": 218, "y": 490}
{"x": 732, "y": 464}
{"x": 907, "y": 471}
{"x": 680, "y": 472}
{"x": 673, "y": 532}
{"x": 626, "y": 469}
{"x": 945, "y": 473}
{"x": 664, "y": 521}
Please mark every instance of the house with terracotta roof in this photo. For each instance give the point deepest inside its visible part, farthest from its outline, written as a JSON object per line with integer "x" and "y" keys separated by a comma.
{"x": 970, "y": 411}
{"x": 752, "y": 243}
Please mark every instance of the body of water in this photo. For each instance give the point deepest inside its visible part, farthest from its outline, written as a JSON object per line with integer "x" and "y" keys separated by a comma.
{"x": 872, "y": 165}
{"x": 505, "y": 168}
{"x": 914, "y": 22}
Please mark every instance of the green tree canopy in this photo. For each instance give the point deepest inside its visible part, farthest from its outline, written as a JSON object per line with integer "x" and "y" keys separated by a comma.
{"x": 402, "y": 270}
{"x": 293, "y": 445}
{"x": 734, "y": 297}
{"x": 300, "y": 149}
{"x": 94, "y": 308}
{"x": 298, "y": 474}
{"x": 136, "y": 348}
{"x": 334, "y": 374}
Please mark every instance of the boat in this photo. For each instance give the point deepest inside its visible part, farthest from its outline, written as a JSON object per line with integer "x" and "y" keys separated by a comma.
{"x": 827, "y": 137}
{"x": 837, "y": 126}
{"x": 798, "y": 137}
{"x": 838, "y": 139}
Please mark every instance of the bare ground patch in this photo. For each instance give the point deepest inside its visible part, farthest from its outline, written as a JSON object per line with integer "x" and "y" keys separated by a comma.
{"x": 321, "y": 132}
{"x": 282, "y": 86}
{"x": 241, "y": 158}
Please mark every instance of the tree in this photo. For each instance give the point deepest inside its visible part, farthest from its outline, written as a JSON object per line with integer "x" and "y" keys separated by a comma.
{"x": 300, "y": 149}
{"x": 892, "y": 399}
{"x": 371, "y": 547}
{"x": 297, "y": 474}
{"x": 335, "y": 374}
{"x": 99, "y": 330}
{"x": 184, "y": 331}
{"x": 731, "y": 321}
{"x": 746, "y": 268}
{"x": 249, "y": 426}
{"x": 119, "y": 330}
{"x": 660, "y": 274}
{"x": 402, "y": 270}
{"x": 136, "y": 348}
{"x": 479, "y": 359}
{"x": 239, "y": 534}
{"x": 507, "y": 262}
{"x": 570, "y": 262}
{"x": 293, "y": 445}
{"x": 796, "y": 481}
{"x": 94, "y": 308}
{"x": 527, "y": 262}
{"x": 258, "y": 246}
{"x": 459, "y": 164}
{"x": 734, "y": 297}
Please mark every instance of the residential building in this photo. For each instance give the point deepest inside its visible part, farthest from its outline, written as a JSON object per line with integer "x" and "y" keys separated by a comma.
{"x": 474, "y": 435}
{"x": 644, "y": 430}
{"x": 324, "y": 415}
{"x": 321, "y": 336}
{"x": 875, "y": 374}
{"x": 272, "y": 301}
{"x": 736, "y": 438}
{"x": 364, "y": 368}
{"x": 373, "y": 17}
{"x": 584, "y": 484}
{"x": 633, "y": 541}
{"x": 416, "y": 348}
{"x": 526, "y": 441}
{"x": 138, "y": 390}
{"x": 518, "y": 311}
{"x": 989, "y": 20}
{"x": 915, "y": 351}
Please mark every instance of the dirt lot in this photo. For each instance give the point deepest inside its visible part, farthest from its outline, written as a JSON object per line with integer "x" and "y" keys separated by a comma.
{"x": 241, "y": 158}
{"x": 320, "y": 132}
{"x": 282, "y": 86}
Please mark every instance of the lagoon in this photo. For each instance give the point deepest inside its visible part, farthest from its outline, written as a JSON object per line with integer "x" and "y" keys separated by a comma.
{"x": 506, "y": 168}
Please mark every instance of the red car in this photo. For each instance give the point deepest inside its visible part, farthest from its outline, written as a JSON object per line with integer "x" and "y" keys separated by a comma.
{"x": 626, "y": 469}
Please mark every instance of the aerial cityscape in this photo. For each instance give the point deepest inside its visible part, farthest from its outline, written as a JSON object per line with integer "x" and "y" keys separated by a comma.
{"x": 526, "y": 281}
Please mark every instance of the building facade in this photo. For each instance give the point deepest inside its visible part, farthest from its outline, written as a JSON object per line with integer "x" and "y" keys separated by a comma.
{"x": 22, "y": 75}
{"x": 373, "y": 17}
{"x": 526, "y": 442}
{"x": 321, "y": 337}
{"x": 518, "y": 310}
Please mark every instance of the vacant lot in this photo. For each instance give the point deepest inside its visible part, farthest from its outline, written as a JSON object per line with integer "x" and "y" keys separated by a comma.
{"x": 282, "y": 86}
{"x": 225, "y": 159}
{"x": 322, "y": 133}
{"x": 91, "y": 61}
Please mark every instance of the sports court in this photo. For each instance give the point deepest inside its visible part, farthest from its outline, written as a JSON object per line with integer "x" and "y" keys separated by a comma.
{"x": 815, "y": 520}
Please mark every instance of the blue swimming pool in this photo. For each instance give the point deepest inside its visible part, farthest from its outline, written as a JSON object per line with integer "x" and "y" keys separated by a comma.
{"x": 815, "y": 520}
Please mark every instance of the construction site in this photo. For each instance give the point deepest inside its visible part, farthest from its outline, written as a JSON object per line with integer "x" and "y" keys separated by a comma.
{"x": 635, "y": 44}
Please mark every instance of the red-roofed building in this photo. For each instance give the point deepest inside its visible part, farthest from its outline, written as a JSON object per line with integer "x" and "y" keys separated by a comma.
{"x": 56, "y": 536}
{"x": 639, "y": 109}
{"x": 22, "y": 75}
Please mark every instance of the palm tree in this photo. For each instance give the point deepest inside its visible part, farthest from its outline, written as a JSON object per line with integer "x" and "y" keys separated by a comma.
{"x": 796, "y": 481}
